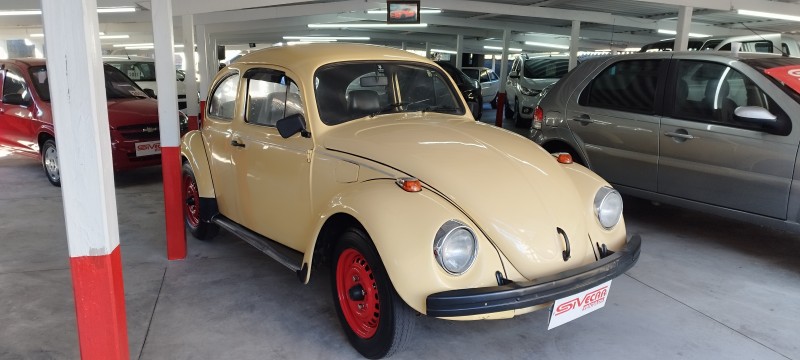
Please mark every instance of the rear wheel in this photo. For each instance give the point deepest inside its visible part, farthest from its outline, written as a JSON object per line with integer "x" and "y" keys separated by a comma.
{"x": 191, "y": 207}
{"x": 508, "y": 111}
{"x": 376, "y": 320}
{"x": 493, "y": 103}
{"x": 50, "y": 162}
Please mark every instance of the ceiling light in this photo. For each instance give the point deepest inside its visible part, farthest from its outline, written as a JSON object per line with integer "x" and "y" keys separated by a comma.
{"x": 423, "y": 11}
{"x": 631, "y": 49}
{"x": 107, "y": 37}
{"x": 555, "y": 46}
{"x": 178, "y": 45}
{"x": 443, "y": 51}
{"x": 673, "y": 32}
{"x": 127, "y": 45}
{"x": 142, "y": 47}
{"x": 488, "y": 47}
{"x": 308, "y": 42}
{"x": 39, "y": 12}
{"x": 768, "y": 15}
{"x": 38, "y": 35}
{"x": 120, "y": 9}
{"x": 365, "y": 25}
{"x": 323, "y": 38}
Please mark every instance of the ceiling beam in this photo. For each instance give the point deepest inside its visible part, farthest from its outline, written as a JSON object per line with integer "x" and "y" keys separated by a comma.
{"x": 191, "y": 7}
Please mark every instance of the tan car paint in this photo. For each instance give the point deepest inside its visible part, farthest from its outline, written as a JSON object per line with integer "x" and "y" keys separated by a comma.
{"x": 534, "y": 193}
{"x": 193, "y": 151}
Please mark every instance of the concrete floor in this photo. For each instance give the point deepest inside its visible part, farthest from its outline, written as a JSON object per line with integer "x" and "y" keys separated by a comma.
{"x": 704, "y": 288}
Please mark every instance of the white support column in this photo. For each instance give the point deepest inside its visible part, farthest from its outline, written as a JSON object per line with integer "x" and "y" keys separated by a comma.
{"x": 403, "y": 45}
{"x": 77, "y": 90}
{"x": 501, "y": 95}
{"x": 169, "y": 127}
{"x": 574, "y": 43}
{"x": 203, "y": 66}
{"x": 213, "y": 61}
{"x": 459, "y": 50}
{"x": 190, "y": 82}
{"x": 427, "y": 49}
{"x": 684, "y": 24}
{"x": 494, "y": 62}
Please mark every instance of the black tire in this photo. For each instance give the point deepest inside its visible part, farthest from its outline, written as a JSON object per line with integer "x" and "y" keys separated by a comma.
{"x": 359, "y": 283}
{"x": 191, "y": 207}
{"x": 50, "y": 162}
{"x": 508, "y": 111}
{"x": 518, "y": 120}
{"x": 493, "y": 103}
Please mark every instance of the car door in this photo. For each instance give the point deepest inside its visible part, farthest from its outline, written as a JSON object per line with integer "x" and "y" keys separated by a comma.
{"x": 273, "y": 173}
{"x": 494, "y": 84}
{"x": 222, "y": 110}
{"x": 511, "y": 82}
{"x": 707, "y": 155}
{"x": 16, "y": 112}
{"x": 615, "y": 120}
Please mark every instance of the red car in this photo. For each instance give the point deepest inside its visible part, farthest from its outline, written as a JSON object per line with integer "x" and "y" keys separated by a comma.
{"x": 26, "y": 118}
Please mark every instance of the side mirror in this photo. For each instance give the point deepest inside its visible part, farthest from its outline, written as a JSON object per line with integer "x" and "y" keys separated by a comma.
{"x": 291, "y": 125}
{"x": 150, "y": 92}
{"x": 15, "y": 99}
{"x": 755, "y": 115}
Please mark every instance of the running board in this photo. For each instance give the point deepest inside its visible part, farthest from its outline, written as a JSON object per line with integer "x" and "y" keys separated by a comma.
{"x": 286, "y": 256}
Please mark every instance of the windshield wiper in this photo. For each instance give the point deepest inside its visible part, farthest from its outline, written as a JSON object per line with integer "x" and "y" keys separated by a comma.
{"x": 388, "y": 108}
{"x": 440, "y": 108}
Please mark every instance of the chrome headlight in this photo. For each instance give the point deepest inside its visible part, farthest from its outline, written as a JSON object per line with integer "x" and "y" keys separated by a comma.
{"x": 608, "y": 207}
{"x": 455, "y": 247}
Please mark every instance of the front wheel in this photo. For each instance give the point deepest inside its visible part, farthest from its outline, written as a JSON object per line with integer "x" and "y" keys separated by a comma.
{"x": 50, "y": 162}
{"x": 191, "y": 207}
{"x": 376, "y": 320}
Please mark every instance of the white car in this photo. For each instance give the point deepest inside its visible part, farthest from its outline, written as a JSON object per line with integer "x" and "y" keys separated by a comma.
{"x": 528, "y": 77}
{"x": 142, "y": 70}
{"x": 490, "y": 83}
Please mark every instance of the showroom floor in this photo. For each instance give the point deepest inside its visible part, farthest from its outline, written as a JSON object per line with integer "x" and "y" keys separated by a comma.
{"x": 704, "y": 288}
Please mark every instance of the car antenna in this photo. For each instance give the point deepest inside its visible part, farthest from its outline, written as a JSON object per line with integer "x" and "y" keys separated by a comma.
{"x": 762, "y": 38}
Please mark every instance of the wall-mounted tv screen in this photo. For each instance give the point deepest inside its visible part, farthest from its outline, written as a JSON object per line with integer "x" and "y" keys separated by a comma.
{"x": 402, "y": 12}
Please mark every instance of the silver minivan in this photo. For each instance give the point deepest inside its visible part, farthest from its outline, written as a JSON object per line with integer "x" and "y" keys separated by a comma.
{"x": 705, "y": 130}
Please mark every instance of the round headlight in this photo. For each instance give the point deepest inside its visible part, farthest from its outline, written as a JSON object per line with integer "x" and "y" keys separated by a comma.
{"x": 608, "y": 207}
{"x": 455, "y": 247}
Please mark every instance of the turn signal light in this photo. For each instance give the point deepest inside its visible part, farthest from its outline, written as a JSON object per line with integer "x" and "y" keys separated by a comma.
{"x": 564, "y": 158}
{"x": 409, "y": 184}
{"x": 538, "y": 117}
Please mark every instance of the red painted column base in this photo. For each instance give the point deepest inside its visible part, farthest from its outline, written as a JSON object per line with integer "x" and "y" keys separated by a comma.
{"x": 173, "y": 202}
{"x": 202, "y": 111}
{"x": 193, "y": 123}
{"x": 100, "y": 306}
{"x": 501, "y": 106}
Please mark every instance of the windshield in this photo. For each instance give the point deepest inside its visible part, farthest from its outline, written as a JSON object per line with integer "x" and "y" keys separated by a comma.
{"x": 545, "y": 68}
{"x": 782, "y": 71}
{"x": 137, "y": 71}
{"x": 348, "y": 91}
{"x": 117, "y": 85}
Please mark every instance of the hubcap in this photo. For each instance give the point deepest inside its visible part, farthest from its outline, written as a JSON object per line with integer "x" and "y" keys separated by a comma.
{"x": 358, "y": 293}
{"x": 191, "y": 197}
{"x": 51, "y": 163}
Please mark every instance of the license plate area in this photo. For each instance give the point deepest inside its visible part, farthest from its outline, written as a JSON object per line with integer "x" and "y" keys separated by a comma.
{"x": 574, "y": 306}
{"x": 148, "y": 148}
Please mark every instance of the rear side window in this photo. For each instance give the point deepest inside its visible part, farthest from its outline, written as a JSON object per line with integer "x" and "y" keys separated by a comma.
{"x": 626, "y": 85}
{"x": 223, "y": 99}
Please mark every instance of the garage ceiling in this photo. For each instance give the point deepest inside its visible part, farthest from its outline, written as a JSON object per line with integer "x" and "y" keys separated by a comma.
{"x": 605, "y": 24}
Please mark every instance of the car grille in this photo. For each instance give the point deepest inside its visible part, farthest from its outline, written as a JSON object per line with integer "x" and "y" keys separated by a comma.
{"x": 139, "y": 132}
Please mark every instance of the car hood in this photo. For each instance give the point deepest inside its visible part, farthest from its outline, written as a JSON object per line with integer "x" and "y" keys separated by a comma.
{"x": 124, "y": 112}
{"x": 510, "y": 187}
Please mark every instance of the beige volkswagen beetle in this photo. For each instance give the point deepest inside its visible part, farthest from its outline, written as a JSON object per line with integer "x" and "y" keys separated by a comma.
{"x": 366, "y": 158}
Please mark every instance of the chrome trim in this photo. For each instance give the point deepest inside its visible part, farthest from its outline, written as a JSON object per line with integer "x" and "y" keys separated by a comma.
{"x": 444, "y": 231}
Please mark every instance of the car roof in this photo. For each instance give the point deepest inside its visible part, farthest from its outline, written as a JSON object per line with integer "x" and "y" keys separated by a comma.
{"x": 312, "y": 56}
{"x": 721, "y": 54}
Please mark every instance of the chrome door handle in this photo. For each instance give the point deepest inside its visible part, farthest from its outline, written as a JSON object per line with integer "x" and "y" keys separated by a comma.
{"x": 237, "y": 143}
{"x": 679, "y": 135}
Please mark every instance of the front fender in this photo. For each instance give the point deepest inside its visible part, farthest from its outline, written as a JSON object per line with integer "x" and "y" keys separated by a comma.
{"x": 402, "y": 226}
{"x": 193, "y": 150}
{"x": 586, "y": 184}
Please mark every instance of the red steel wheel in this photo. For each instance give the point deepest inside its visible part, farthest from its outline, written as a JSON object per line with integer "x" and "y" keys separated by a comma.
{"x": 358, "y": 293}
{"x": 191, "y": 207}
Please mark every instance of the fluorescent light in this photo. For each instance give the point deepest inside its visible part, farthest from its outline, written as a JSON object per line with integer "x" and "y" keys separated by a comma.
{"x": 308, "y": 42}
{"x": 36, "y": 35}
{"x": 555, "y": 46}
{"x": 489, "y": 47}
{"x": 632, "y": 49}
{"x": 365, "y": 25}
{"x": 120, "y": 9}
{"x": 443, "y": 51}
{"x": 134, "y": 45}
{"x": 673, "y": 32}
{"x": 423, "y": 11}
{"x": 324, "y": 38}
{"x": 768, "y": 15}
{"x": 142, "y": 47}
{"x": 107, "y": 37}
{"x": 178, "y": 45}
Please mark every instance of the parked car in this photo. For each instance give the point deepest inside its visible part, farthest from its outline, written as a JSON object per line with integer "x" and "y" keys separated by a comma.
{"x": 26, "y": 118}
{"x": 669, "y": 45}
{"x": 490, "y": 83}
{"x": 142, "y": 70}
{"x": 528, "y": 77}
{"x": 469, "y": 87}
{"x": 705, "y": 130}
{"x": 301, "y": 156}
{"x": 766, "y": 43}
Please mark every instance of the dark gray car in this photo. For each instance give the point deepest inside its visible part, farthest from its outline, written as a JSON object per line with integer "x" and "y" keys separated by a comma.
{"x": 709, "y": 131}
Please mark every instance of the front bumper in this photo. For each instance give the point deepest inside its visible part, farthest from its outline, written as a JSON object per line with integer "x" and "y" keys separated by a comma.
{"x": 520, "y": 295}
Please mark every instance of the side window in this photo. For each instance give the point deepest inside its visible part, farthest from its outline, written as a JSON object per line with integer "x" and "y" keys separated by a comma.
{"x": 710, "y": 92}
{"x": 271, "y": 96}
{"x": 485, "y": 76}
{"x": 223, "y": 99}
{"x": 14, "y": 83}
{"x": 493, "y": 76}
{"x": 626, "y": 85}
